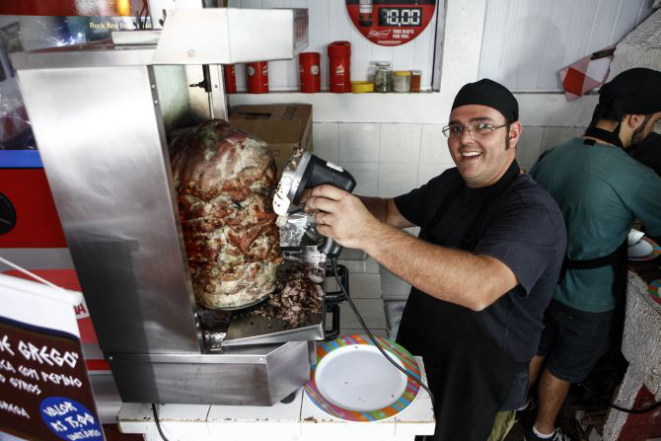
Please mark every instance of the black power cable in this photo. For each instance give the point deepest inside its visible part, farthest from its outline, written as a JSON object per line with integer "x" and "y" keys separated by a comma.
{"x": 644, "y": 409}
{"x": 158, "y": 423}
{"x": 371, "y": 336}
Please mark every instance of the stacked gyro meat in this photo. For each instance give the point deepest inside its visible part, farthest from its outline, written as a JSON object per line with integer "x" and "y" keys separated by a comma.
{"x": 225, "y": 182}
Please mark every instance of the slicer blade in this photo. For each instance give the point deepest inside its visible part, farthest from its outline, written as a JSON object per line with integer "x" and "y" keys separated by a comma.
{"x": 290, "y": 181}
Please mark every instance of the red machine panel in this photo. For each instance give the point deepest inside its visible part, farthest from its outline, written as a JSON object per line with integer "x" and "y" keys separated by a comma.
{"x": 37, "y": 223}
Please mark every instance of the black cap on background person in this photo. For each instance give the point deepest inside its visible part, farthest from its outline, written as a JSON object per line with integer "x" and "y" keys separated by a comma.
{"x": 635, "y": 91}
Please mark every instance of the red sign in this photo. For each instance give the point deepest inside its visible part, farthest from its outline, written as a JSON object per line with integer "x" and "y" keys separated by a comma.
{"x": 391, "y": 22}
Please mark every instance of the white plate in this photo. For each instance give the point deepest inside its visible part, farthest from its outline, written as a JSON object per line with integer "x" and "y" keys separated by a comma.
{"x": 359, "y": 378}
{"x": 634, "y": 237}
{"x": 640, "y": 249}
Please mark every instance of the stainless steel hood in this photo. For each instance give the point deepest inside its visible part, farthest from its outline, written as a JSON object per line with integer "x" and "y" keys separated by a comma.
{"x": 100, "y": 114}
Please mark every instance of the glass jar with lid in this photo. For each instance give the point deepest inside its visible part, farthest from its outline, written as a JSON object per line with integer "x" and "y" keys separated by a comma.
{"x": 383, "y": 78}
{"x": 402, "y": 81}
{"x": 416, "y": 77}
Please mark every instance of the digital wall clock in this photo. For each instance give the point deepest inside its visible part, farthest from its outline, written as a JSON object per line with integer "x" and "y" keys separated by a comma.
{"x": 391, "y": 22}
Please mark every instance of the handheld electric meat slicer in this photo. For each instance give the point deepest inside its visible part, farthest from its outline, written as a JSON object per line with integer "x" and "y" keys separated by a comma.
{"x": 305, "y": 170}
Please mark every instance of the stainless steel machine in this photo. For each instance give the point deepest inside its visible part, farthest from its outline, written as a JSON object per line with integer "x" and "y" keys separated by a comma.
{"x": 101, "y": 114}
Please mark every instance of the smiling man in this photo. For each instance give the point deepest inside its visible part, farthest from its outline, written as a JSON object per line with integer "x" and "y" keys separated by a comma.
{"x": 482, "y": 270}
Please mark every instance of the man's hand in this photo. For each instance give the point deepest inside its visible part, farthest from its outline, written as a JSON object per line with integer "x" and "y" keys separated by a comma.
{"x": 341, "y": 216}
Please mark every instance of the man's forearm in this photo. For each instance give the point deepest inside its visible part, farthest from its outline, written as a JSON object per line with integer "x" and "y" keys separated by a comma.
{"x": 456, "y": 276}
{"x": 378, "y": 207}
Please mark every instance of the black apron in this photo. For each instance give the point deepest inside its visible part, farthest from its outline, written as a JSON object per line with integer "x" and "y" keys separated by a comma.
{"x": 468, "y": 374}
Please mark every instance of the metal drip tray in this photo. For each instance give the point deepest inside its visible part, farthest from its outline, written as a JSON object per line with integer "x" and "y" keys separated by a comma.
{"x": 223, "y": 329}
{"x": 252, "y": 330}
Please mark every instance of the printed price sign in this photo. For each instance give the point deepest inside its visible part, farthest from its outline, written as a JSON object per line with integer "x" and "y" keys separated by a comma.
{"x": 391, "y": 22}
{"x": 45, "y": 393}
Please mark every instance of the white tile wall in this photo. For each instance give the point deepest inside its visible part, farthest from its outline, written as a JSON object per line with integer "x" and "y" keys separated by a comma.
{"x": 380, "y": 332}
{"x": 396, "y": 178}
{"x": 391, "y": 159}
{"x": 366, "y": 175}
{"x": 434, "y": 146}
{"x": 365, "y": 291}
{"x": 528, "y": 148}
{"x": 371, "y": 310}
{"x": 365, "y": 286}
{"x": 400, "y": 143}
{"x": 393, "y": 287}
{"x": 368, "y": 266}
{"x": 325, "y": 138}
{"x": 554, "y": 136}
{"x": 394, "y": 310}
{"x": 359, "y": 142}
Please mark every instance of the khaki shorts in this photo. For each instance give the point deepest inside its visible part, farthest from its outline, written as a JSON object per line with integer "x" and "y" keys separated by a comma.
{"x": 502, "y": 425}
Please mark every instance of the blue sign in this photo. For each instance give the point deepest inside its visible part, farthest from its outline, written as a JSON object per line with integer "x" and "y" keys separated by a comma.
{"x": 70, "y": 420}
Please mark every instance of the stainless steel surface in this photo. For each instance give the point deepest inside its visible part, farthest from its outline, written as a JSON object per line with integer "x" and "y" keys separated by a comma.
{"x": 141, "y": 37}
{"x": 102, "y": 143}
{"x": 91, "y": 55}
{"x": 106, "y": 396}
{"x": 439, "y": 46}
{"x": 253, "y": 330}
{"x": 230, "y": 35}
{"x": 175, "y": 97}
{"x": 100, "y": 114}
{"x": 160, "y": 9}
{"x": 245, "y": 377}
{"x": 219, "y": 101}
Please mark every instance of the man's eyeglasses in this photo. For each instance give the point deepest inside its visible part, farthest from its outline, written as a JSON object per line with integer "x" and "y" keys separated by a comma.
{"x": 476, "y": 129}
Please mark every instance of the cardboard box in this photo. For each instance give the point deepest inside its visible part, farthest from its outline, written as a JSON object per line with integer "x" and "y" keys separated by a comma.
{"x": 283, "y": 127}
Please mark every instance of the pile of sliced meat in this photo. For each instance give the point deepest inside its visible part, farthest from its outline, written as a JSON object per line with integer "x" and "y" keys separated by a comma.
{"x": 295, "y": 300}
{"x": 225, "y": 182}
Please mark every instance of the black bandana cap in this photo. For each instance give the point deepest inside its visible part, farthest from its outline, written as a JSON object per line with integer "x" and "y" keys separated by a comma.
{"x": 635, "y": 91}
{"x": 487, "y": 92}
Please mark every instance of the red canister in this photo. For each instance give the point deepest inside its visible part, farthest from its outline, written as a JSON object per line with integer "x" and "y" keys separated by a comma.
{"x": 310, "y": 74}
{"x": 230, "y": 78}
{"x": 339, "y": 60}
{"x": 258, "y": 77}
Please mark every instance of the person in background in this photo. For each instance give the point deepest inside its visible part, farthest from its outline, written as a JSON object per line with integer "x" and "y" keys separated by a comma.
{"x": 600, "y": 189}
{"x": 482, "y": 270}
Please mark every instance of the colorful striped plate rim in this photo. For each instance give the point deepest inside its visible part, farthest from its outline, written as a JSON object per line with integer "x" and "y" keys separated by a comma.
{"x": 656, "y": 251}
{"x": 653, "y": 289}
{"x": 393, "y": 409}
